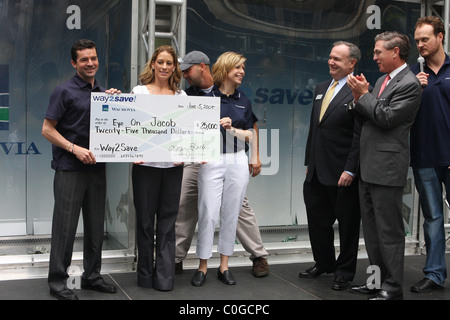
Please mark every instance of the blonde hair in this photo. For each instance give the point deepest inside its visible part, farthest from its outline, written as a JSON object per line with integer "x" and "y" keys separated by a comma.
{"x": 224, "y": 64}
{"x": 148, "y": 74}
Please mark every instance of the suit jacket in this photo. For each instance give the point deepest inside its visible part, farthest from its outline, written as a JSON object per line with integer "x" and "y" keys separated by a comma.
{"x": 384, "y": 143}
{"x": 333, "y": 143}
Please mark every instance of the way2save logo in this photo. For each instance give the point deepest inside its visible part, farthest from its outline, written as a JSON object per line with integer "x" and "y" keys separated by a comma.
{"x": 110, "y": 98}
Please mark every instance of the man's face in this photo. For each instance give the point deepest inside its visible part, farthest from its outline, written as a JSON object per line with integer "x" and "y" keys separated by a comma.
{"x": 384, "y": 57}
{"x": 428, "y": 44}
{"x": 193, "y": 75}
{"x": 86, "y": 64}
{"x": 339, "y": 62}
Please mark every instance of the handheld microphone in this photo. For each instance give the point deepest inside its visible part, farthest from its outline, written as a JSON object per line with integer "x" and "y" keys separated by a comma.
{"x": 421, "y": 61}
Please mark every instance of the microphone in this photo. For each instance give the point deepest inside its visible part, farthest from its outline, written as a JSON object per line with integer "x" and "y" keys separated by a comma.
{"x": 421, "y": 61}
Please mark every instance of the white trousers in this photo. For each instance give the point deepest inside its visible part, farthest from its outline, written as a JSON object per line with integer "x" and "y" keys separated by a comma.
{"x": 221, "y": 191}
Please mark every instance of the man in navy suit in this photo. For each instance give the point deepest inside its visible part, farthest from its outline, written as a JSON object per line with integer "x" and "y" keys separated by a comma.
{"x": 389, "y": 110}
{"x": 332, "y": 156}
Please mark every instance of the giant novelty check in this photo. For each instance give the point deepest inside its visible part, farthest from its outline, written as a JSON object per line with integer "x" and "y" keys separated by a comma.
{"x": 154, "y": 128}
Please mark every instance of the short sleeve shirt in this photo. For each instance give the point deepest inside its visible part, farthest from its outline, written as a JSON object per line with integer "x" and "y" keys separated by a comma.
{"x": 239, "y": 109}
{"x": 70, "y": 106}
{"x": 430, "y": 132}
{"x": 196, "y": 91}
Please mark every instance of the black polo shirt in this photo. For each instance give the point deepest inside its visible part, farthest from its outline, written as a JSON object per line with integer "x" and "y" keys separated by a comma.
{"x": 239, "y": 108}
{"x": 70, "y": 106}
{"x": 431, "y": 129}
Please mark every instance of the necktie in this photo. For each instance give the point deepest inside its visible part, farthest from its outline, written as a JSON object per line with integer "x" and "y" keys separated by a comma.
{"x": 327, "y": 99}
{"x": 383, "y": 85}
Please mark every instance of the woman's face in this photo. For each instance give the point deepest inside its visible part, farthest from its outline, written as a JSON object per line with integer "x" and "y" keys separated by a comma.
{"x": 163, "y": 65}
{"x": 236, "y": 75}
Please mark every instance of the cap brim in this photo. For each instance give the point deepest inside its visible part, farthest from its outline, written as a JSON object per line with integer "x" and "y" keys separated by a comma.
{"x": 185, "y": 66}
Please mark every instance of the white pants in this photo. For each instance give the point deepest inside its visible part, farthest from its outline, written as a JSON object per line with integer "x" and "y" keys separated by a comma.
{"x": 221, "y": 191}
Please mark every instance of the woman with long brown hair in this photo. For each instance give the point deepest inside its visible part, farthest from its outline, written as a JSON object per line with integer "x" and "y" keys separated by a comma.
{"x": 157, "y": 185}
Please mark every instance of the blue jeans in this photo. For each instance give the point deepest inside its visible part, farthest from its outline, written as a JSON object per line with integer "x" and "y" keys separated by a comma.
{"x": 429, "y": 185}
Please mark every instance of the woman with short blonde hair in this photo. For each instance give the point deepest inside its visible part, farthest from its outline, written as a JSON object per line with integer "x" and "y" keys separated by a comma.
{"x": 222, "y": 184}
{"x": 225, "y": 63}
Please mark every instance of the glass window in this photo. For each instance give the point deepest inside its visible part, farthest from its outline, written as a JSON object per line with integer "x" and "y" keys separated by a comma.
{"x": 34, "y": 59}
{"x": 287, "y": 44}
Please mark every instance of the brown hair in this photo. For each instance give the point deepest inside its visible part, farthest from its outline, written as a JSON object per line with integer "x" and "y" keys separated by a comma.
{"x": 81, "y": 45}
{"x": 435, "y": 22}
{"x": 394, "y": 39}
{"x": 148, "y": 74}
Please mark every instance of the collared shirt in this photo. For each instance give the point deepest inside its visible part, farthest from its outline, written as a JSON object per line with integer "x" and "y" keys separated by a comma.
{"x": 339, "y": 86}
{"x": 430, "y": 132}
{"x": 196, "y": 91}
{"x": 239, "y": 109}
{"x": 341, "y": 83}
{"x": 396, "y": 72}
{"x": 70, "y": 106}
{"x": 392, "y": 75}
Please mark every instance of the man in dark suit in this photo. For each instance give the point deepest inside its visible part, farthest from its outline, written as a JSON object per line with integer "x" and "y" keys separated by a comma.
{"x": 332, "y": 156}
{"x": 389, "y": 111}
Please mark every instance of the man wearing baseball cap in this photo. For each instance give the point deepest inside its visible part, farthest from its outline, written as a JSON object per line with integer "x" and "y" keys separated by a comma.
{"x": 196, "y": 71}
{"x": 194, "y": 57}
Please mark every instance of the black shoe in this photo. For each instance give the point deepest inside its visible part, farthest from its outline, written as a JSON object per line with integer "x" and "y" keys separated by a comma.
{"x": 339, "y": 283}
{"x": 226, "y": 277}
{"x": 363, "y": 289}
{"x": 385, "y": 295}
{"x": 312, "y": 272}
{"x": 100, "y": 287}
{"x": 179, "y": 267}
{"x": 65, "y": 294}
{"x": 425, "y": 285}
{"x": 198, "y": 279}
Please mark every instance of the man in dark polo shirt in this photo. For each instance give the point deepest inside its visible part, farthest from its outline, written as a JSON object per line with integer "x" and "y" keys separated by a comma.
{"x": 430, "y": 152}
{"x": 79, "y": 182}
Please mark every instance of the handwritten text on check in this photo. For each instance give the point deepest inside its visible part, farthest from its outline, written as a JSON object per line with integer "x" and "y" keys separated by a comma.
{"x": 154, "y": 128}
